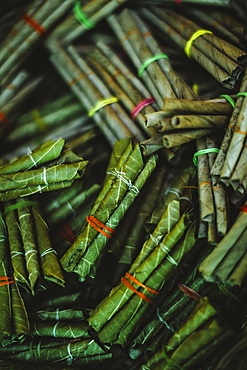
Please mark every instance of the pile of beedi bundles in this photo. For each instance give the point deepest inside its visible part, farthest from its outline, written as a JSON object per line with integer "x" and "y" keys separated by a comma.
{"x": 123, "y": 184}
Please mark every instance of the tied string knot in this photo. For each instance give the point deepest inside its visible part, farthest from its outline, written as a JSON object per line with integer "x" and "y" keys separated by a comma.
{"x": 128, "y": 182}
{"x": 5, "y": 280}
{"x": 99, "y": 226}
{"x": 136, "y": 281}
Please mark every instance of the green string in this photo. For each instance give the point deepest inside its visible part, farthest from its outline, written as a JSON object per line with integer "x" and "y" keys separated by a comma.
{"x": 81, "y": 17}
{"x": 204, "y": 151}
{"x": 25, "y": 203}
{"x": 149, "y": 61}
{"x": 229, "y": 99}
{"x": 242, "y": 94}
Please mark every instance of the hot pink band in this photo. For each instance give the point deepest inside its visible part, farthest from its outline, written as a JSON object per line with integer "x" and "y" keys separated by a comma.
{"x": 141, "y": 105}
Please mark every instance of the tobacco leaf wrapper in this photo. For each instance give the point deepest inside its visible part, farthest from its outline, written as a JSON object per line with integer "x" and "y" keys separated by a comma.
{"x": 218, "y": 265}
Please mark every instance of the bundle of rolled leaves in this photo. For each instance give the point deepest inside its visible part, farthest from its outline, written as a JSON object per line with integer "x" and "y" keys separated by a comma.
{"x": 48, "y": 167}
{"x": 126, "y": 178}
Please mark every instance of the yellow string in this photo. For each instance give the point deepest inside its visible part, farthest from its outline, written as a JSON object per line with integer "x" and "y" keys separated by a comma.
{"x": 195, "y": 88}
{"x": 189, "y": 43}
{"x": 101, "y": 104}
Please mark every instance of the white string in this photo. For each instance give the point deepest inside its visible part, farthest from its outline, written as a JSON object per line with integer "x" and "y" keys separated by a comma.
{"x": 186, "y": 198}
{"x": 164, "y": 322}
{"x": 174, "y": 191}
{"x": 29, "y": 153}
{"x": 119, "y": 174}
{"x": 54, "y": 330}
{"x": 57, "y": 314}
{"x": 70, "y": 359}
{"x": 15, "y": 254}
{"x": 165, "y": 248}
{"x": 155, "y": 240}
{"x": 44, "y": 174}
{"x": 70, "y": 206}
{"x": 31, "y": 251}
{"x": 49, "y": 250}
{"x": 40, "y": 188}
{"x": 172, "y": 260}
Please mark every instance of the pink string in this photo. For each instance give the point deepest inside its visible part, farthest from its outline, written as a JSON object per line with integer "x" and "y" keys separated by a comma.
{"x": 141, "y": 105}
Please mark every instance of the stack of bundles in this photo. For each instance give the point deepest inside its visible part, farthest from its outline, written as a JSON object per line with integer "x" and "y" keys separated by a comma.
{"x": 126, "y": 247}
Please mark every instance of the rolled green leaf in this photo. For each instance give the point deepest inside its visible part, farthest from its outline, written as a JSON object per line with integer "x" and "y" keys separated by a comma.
{"x": 29, "y": 243}
{"x": 201, "y": 314}
{"x": 49, "y": 262}
{"x": 88, "y": 259}
{"x": 19, "y": 314}
{"x": 16, "y": 248}
{"x": 59, "y": 329}
{"x": 121, "y": 293}
{"x": 5, "y": 293}
{"x": 46, "y": 152}
{"x": 108, "y": 202}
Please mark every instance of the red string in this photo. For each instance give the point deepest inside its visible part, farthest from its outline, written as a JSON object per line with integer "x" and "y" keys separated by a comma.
{"x": 68, "y": 234}
{"x": 190, "y": 292}
{"x": 99, "y": 226}
{"x": 6, "y": 280}
{"x": 141, "y": 105}
{"x": 244, "y": 208}
{"x": 130, "y": 286}
{"x": 35, "y": 25}
{"x": 178, "y": 1}
{"x": 4, "y": 119}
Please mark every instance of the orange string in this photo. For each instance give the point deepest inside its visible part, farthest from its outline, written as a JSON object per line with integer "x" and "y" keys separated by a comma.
{"x": 204, "y": 183}
{"x": 140, "y": 284}
{"x": 130, "y": 286}
{"x": 217, "y": 187}
{"x": 99, "y": 226}
{"x": 6, "y": 280}
{"x": 141, "y": 295}
{"x": 240, "y": 132}
{"x": 35, "y": 25}
{"x": 244, "y": 208}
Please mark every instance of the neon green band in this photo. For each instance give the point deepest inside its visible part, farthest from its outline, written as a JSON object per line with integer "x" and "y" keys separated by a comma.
{"x": 229, "y": 99}
{"x": 81, "y": 17}
{"x": 204, "y": 151}
{"x": 151, "y": 60}
{"x": 242, "y": 94}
